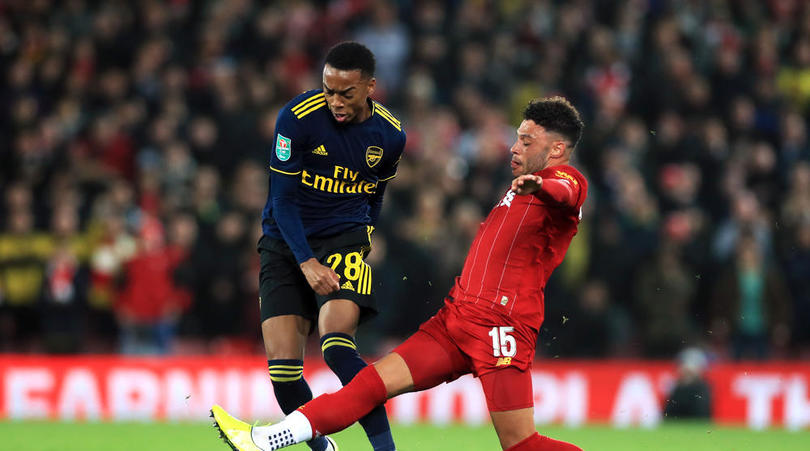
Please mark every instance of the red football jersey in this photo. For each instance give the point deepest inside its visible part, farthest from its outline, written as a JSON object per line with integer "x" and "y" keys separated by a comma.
{"x": 517, "y": 247}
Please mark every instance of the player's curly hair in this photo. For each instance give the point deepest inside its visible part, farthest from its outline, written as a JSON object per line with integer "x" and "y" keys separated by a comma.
{"x": 352, "y": 55}
{"x": 556, "y": 114}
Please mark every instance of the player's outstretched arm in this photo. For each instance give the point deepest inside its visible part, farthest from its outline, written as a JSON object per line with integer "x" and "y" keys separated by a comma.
{"x": 527, "y": 184}
{"x": 552, "y": 190}
{"x": 321, "y": 278}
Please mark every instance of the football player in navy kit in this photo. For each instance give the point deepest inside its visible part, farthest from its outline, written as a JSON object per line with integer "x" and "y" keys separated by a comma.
{"x": 335, "y": 150}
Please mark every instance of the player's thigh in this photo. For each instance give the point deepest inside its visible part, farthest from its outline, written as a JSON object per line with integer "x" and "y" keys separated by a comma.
{"x": 507, "y": 388}
{"x": 287, "y": 303}
{"x": 513, "y": 426}
{"x": 508, "y": 392}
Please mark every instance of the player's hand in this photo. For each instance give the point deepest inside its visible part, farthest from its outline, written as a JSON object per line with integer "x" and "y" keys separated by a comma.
{"x": 321, "y": 278}
{"x": 527, "y": 184}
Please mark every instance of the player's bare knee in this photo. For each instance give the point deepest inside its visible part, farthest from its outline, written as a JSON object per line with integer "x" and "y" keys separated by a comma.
{"x": 339, "y": 316}
{"x": 395, "y": 374}
{"x": 285, "y": 338}
{"x": 283, "y": 348}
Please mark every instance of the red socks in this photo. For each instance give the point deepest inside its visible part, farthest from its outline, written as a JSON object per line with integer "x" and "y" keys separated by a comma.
{"x": 334, "y": 412}
{"x": 537, "y": 442}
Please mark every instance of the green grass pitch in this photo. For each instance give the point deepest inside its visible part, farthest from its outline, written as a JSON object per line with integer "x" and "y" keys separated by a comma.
{"x": 45, "y": 436}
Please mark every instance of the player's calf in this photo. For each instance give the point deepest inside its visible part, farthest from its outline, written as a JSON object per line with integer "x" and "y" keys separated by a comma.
{"x": 292, "y": 391}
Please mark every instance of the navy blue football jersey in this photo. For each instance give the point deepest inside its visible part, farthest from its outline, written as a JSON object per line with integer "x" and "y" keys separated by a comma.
{"x": 338, "y": 167}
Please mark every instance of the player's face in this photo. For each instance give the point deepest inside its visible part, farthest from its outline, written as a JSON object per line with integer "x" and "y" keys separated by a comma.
{"x": 531, "y": 150}
{"x": 346, "y": 93}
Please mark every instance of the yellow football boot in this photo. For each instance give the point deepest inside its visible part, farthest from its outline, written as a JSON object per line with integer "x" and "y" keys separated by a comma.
{"x": 236, "y": 433}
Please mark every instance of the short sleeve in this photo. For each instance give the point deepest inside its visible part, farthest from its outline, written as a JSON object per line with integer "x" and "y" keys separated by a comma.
{"x": 573, "y": 178}
{"x": 289, "y": 144}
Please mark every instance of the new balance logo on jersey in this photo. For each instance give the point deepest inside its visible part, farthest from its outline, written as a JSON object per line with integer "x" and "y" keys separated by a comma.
{"x": 507, "y": 200}
{"x": 320, "y": 150}
{"x": 504, "y": 361}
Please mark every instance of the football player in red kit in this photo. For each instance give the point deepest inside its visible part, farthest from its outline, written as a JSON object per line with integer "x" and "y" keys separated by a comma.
{"x": 491, "y": 318}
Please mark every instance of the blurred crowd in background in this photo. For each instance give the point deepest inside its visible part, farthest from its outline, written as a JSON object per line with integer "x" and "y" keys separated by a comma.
{"x": 134, "y": 139}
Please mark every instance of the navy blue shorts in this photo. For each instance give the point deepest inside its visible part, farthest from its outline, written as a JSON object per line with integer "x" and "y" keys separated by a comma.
{"x": 283, "y": 289}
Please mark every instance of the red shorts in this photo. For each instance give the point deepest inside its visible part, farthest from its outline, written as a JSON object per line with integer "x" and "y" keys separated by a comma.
{"x": 448, "y": 346}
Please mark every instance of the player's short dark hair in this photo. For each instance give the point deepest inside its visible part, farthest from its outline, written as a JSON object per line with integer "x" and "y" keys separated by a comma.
{"x": 352, "y": 55}
{"x": 556, "y": 114}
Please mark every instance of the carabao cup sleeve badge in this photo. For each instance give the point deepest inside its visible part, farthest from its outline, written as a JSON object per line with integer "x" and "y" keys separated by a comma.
{"x": 283, "y": 145}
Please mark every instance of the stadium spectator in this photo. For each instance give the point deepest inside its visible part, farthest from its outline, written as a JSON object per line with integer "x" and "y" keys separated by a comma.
{"x": 664, "y": 293}
{"x": 216, "y": 269}
{"x": 65, "y": 286}
{"x": 388, "y": 39}
{"x": 24, "y": 253}
{"x": 751, "y": 307}
{"x": 595, "y": 326}
{"x": 797, "y": 268}
{"x": 747, "y": 217}
{"x": 150, "y": 302}
{"x": 690, "y": 396}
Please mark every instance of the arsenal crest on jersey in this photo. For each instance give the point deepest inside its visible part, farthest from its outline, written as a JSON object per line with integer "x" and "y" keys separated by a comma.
{"x": 373, "y": 155}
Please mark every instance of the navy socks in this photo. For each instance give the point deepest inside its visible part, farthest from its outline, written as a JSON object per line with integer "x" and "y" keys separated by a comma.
{"x": 292, "y": 390}
{"x": 340, "y": 353}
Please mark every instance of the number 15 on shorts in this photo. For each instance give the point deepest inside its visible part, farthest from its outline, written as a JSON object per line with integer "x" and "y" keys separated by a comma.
{"x": 503, "y": 344}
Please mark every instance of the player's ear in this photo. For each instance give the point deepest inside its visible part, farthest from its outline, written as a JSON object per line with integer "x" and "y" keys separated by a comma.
{"x": 558, "y": 148}
{"x": 372, "y": 84}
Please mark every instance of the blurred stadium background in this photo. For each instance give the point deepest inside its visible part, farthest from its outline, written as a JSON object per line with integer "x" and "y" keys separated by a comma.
{"x": 133, "y": 140}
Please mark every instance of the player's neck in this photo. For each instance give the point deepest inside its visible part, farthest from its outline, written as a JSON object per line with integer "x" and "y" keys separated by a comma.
{"x": 556, "y": 162}
{"x": 363, "y": 116}
{"x": 366, "y": 113}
